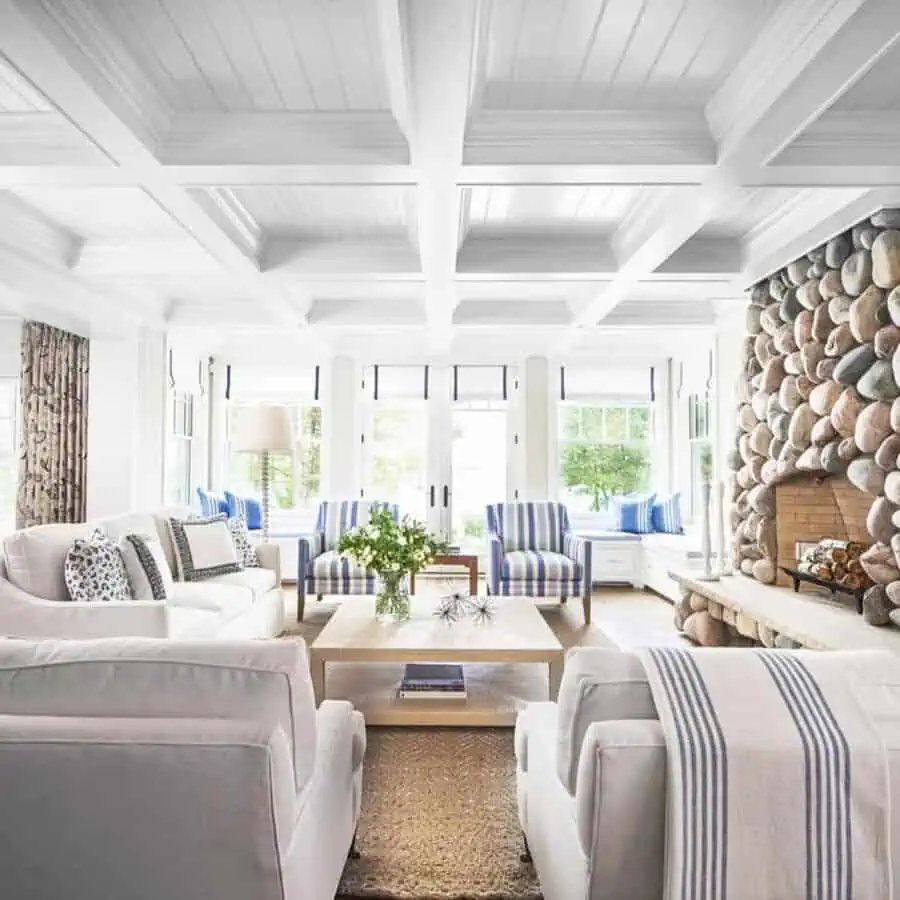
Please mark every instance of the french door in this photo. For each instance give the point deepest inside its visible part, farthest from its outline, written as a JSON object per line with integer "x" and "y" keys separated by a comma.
{"x": 443, "y": 457}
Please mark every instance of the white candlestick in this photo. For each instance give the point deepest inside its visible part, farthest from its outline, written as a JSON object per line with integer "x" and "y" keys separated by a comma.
{"x": 723, "y": 562}
{"x": 706, "y": 542}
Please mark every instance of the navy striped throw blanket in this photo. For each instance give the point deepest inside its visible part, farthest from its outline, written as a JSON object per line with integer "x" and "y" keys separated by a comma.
{"x": 778, "y": 781}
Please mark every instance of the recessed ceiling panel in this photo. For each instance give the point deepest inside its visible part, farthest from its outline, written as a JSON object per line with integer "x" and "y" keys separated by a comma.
{"x": 596, "y": 54}
{"x": 329, "y": 212}
{"x": 537, "y": 207}
{"x": 245, "y": 55}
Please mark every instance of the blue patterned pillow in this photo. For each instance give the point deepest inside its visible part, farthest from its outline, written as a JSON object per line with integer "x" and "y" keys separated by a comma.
{"x": 633, "y": 514}
{"x": 666, "y": 515}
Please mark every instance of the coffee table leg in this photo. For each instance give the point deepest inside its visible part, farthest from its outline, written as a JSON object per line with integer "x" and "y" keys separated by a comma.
{"x": 473, "y": 577}
{"x": 317, "y": 669}
{"x": 556, "y": 671}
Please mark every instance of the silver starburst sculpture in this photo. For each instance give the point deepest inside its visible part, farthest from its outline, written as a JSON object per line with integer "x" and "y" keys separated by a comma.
{"x": 455, "y": 605}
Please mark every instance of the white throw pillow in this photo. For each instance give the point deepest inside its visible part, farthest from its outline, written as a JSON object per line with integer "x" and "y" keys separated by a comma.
{"x": 246, "y": 552}
{"x": 36, "y": 558}
{"x": 203, "y": 548}
{"x": 95, "y": 571}
{"x": 148, "y": 571}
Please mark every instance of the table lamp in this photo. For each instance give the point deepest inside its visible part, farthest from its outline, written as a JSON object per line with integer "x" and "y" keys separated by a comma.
{"x": 265, "y": 429}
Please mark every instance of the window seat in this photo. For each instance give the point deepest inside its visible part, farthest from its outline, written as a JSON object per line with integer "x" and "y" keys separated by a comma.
{"x": 619, "y": 557}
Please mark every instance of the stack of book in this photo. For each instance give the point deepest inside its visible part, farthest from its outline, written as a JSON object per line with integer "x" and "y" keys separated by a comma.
{"x": 429, "y": 681}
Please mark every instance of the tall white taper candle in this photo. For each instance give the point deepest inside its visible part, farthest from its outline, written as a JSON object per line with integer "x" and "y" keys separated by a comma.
{"x": 706, "y": 542}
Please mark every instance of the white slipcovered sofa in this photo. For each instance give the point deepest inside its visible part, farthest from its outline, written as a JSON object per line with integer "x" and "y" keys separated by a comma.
{"x": 153, "y": 769}
{"x": 591, "y": 780}
{"x": 34, "y": 602}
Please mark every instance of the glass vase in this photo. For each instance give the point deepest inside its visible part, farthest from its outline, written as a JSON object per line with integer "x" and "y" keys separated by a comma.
{"x": 392, "y": 600}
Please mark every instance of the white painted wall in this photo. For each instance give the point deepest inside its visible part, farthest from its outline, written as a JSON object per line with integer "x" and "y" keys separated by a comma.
{"x": 126, "y": 424}
{"x": 10, "y": 347}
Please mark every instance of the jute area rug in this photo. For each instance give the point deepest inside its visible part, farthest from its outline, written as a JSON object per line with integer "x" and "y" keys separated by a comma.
{"x": 439, "y": 818}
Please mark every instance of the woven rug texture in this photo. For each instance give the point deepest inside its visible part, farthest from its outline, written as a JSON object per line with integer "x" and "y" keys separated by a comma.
{"x": 439, "y": 818}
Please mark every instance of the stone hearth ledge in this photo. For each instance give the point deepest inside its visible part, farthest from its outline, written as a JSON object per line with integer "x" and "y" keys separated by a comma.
{"x": 755, "y": 614}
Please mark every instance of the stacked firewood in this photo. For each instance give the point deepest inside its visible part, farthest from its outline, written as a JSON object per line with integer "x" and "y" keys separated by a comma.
{"x": 836, "y": 561}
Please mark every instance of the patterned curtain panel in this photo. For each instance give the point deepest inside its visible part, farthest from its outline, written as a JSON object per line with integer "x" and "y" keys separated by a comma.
{"x": 53, "y": 448}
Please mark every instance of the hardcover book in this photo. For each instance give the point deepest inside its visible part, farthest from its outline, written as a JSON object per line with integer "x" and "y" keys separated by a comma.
{"x": 428, "y": 680}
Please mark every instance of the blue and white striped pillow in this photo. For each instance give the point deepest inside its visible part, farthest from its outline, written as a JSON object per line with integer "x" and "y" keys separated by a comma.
{"x": 666, "y": 515}
{"x": 633, "y": 514}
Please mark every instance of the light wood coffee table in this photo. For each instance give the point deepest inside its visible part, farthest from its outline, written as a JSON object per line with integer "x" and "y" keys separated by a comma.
{"x": 513, "y": 659}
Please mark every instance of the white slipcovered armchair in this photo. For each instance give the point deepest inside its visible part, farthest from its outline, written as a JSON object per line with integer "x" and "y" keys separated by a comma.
{"x": 193, "y": 770}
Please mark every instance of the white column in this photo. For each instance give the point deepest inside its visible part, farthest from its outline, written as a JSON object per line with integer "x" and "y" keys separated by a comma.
{"x": 151, "y": 401}
{"x": 113, "y": 427}
{"x": 126, "y": 424}
{"x": 534, "y": 438}
{"x": 342, "y": 428}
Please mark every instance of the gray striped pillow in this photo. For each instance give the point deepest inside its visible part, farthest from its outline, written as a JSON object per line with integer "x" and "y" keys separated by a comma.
{"x": 148, "y": 570}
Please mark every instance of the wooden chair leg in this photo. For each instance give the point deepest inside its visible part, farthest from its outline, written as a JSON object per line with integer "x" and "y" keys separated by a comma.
{"x": 586, "y": 605}
{"x": 301, "y": 605}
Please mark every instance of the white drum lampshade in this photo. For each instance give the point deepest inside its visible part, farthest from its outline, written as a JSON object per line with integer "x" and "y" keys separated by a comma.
{"x": 260, "y": 428}
{"x": 264, "y": 429}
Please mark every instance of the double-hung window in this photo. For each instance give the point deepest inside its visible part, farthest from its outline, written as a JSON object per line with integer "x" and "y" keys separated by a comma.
{"x": 179, "y": 448}
{"x": 296, "y": 475}
{"x": 700, "y": 448}
{"x": 604, "y": 436}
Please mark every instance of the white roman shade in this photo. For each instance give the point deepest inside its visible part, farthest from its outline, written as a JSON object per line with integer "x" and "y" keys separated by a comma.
{"x": 696, "y": 372}
{"x": 249, "y": 385}
{"x": 187, "y": 371}
{"x": 586, "y": 382}
{"x": 395, "y": 382}
{"x": 481, "y": 383}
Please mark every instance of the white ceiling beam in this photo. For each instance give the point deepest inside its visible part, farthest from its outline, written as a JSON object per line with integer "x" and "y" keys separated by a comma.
{"x": 653, "y": 231}
{"x": 678, "y": 139}
{"x": 790, "y": 236}
{"x": 63, "y": 291}
{"x": 27, "y": 230}
{"x": 393, "y": 34}
{"x": 71, "y": 55}
{"x": 45, "y": 139}
{"x": 809, "y": 53}
{"x": 847, "y": 138}
{"x": 442, "y": 40}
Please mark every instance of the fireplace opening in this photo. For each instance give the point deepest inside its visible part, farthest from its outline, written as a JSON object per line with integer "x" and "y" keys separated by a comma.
{"x": 810, "y": 508}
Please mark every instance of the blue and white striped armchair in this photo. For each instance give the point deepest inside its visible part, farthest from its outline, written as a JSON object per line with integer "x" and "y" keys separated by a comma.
{"x": 533, "y": 553}
{"x": 321, "y": 569}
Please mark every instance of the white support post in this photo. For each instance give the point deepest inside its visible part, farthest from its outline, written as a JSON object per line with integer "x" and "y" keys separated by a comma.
{"x": 535, "y": 431}
{"x": 341, "y": 424}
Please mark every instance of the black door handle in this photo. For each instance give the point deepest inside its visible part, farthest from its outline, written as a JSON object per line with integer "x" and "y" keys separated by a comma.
{"x": 446, "y": 496}
{"x": 431, "y": 496}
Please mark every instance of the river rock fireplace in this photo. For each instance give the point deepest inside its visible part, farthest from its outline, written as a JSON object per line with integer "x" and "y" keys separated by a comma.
{"x": 819, "y": 397}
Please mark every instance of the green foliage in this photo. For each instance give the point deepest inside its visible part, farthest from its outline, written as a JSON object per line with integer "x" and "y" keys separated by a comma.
{"x": 603, "y": 470}
{"x": 295, "y": 478}
{"x": 384, "y": 545}
{"x": 474, "y": 527}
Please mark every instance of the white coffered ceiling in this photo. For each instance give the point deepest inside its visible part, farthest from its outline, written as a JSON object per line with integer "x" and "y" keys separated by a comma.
{"x": 402, "y": 179}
